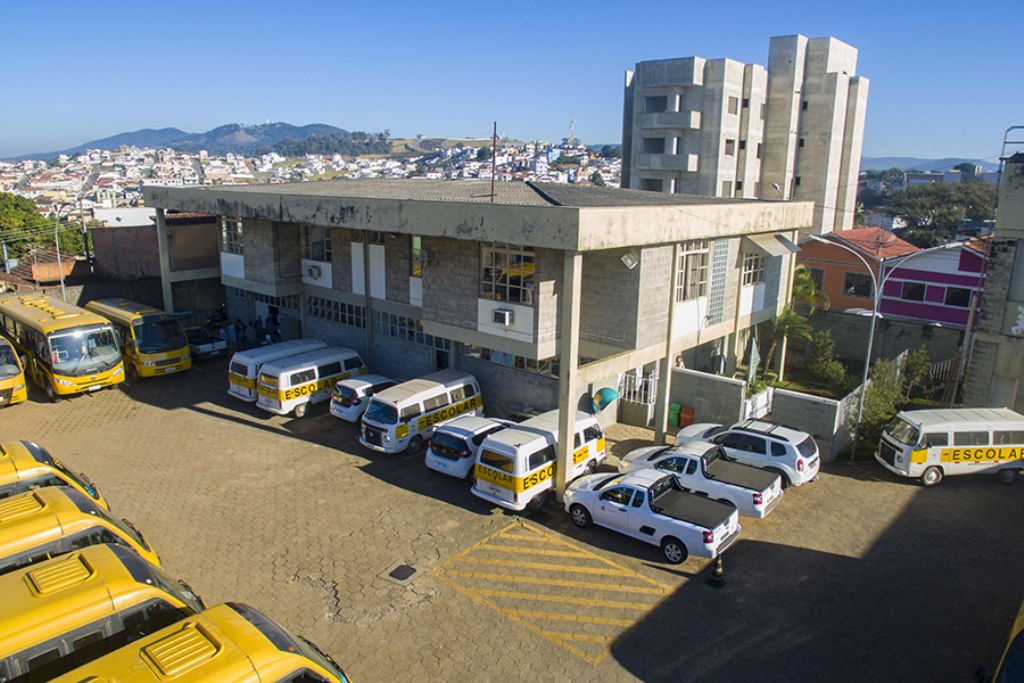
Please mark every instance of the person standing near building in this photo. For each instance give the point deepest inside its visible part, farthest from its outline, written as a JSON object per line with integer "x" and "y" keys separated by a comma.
{"x": 260, "y": 331}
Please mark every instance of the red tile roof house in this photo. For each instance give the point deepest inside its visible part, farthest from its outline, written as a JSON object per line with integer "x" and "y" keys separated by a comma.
{"x": 934, "y": 287}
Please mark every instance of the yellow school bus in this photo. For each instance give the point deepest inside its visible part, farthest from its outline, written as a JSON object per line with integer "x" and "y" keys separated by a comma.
{"x": 66, "y": 349}
{"x": 154, "y": 342}
{"x": 60, "y": 614}
{"x": 27, "y": 466}
{"x": 229, "y": 642}
{"x": 12, "y": 376}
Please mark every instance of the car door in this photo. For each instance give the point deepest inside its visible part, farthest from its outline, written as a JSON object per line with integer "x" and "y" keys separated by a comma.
{"x": 734, "y": 444}
{"x": 613, "y": 508}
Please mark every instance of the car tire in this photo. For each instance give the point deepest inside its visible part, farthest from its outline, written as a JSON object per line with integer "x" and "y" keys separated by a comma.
{"x": 580, "y": 516}
{"x": 786, "y": 483}
{"x": 1006, "y": 475}
{"x": 300, "y": 410}
{"x": 931, "y": 476}
{"x": 415, "y": 446}
{"x": 674, "y": 550}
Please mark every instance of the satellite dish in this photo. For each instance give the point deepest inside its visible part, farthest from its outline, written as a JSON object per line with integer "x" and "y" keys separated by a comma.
{"x": 603, "y": 398}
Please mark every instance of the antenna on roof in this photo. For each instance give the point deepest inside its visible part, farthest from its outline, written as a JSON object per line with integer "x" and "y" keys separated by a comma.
{"x": 494, "y": 157}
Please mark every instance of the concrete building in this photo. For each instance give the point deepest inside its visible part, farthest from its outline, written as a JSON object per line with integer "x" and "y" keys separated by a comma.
{"x": 996, "y": 364}
{"x": 722, "y": 128}
{"x": 546, "y": 294}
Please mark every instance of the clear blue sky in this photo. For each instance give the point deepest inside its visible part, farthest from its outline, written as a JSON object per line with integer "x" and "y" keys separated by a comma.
{"x": 945, "y": 76}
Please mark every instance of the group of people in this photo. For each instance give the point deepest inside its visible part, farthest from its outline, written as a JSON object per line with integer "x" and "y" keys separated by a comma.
{"x": 242, "y": 336}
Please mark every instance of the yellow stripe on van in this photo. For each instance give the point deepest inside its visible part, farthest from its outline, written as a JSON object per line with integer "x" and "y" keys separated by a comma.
{"x": 448, "y": 412}
{"x": 513, "y": 483}
{"x": 244, "y": 382}
{"x": 982, "y": 454}
{"x": 310, "y": 388}
{"x": 919, "y": 457}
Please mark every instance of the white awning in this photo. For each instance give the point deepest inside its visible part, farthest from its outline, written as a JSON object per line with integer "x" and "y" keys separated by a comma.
{"x": 772, "y": 245}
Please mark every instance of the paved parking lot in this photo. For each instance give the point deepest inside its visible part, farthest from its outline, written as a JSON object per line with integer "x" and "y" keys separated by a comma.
{"x": 858, "y": 576}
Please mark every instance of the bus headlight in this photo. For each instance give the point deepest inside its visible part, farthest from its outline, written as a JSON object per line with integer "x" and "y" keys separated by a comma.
{"x": 385, "y": 436}
{"x": 149, "y": 363}
{"x": 64, "y": 382}
{"x": 119, "y": 370}
{"x": 19, "y": 387}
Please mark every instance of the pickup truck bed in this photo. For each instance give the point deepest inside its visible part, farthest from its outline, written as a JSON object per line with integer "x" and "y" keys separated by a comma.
{"x": 689, "y": 507}
{"x": 741, "y": 475}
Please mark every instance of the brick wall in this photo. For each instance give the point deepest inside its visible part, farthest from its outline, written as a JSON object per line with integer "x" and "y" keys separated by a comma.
{"x": 399, "y": 358}
{"x": 126, "y": 253}
{"x": 548, "y": 267}
{"x": 656, "y": 279}
{"x": 608, "y": 301}
{"x": 507, "y": 390}
{"x": 713, "y": 398}
{"x": 341, "y": 260}
{"x": 892, "y": 337}
{"x": 396, "y": 267}
{"x": 258, "y": 251}
{"x": 288, "y": 247}
{"x": 336, "y": 335}
{"x": 451, "y": 281}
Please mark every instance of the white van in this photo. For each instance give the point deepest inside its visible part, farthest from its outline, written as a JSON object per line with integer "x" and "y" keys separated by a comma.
{"x": 292, "y": 383}
{"x": 404, "y": 416}
{"x": 516, "y": 466}
{"x": 245, "y": 365}
{"x": 454, "y": 446}
{"x": 932, "y": 444}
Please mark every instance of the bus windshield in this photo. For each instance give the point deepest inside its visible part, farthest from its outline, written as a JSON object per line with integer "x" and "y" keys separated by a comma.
{"x": 84, "y": 351}
{"x": 381, "y": 412}
{"x": 8, "y": 363}
{"x": 904, "y": 432}
{"x": 158, "y": 334}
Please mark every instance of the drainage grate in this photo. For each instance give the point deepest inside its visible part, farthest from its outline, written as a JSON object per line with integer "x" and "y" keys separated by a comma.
{"x": 402, "y": 572}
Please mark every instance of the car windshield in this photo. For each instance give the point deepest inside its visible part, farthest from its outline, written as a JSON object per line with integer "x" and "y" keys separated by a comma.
{"x": 658, "y": 453}
{"x": 158, "y": 334}
{"x": 41, "y": 455}
{"x": 322, "y": 658}
{"x": 496, "y": 460}
{"x": 903, "y": 432}
{"x": 807, "y": 447}
{"x": 447, "y": 443}
{"x": 659, "y": 488}
{"x": 84, "y": 351}
{"x": 712, "y": 456}
{"x": 381, "y": 413}
{"x": 345, "y": 392}
{"x": 714, "y": 431}
{"x": 8, "y": 363}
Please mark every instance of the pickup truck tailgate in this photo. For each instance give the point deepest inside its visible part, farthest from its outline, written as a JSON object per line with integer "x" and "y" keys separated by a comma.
{"x": 746, "y": 476}
{"x": 697, "y": 510}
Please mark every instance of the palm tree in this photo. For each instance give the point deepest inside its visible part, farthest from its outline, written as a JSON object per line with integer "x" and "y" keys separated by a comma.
{"x": 788, "y": 323}
{"x": 807, "y": 293}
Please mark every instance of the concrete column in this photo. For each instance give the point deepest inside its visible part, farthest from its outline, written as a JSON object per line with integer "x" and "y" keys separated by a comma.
{"x": 367, "y": 298}
{"x": 568, "y": 352}
{"x": 164, "y": 250}
{"x": 780, "y": 364}
{"x": 665, "y": 369}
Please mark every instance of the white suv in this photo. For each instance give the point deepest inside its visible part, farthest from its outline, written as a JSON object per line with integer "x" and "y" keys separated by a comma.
{"x": 783, "y": 450}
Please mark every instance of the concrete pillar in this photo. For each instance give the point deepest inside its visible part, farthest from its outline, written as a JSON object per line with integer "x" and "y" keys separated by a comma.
{"x": 568, "y": 360}
{"x": 366, "y": 297}
{"x": 780, "y": 364}
{"x": 665, "y": 368}
{"x": 163, "y": 246}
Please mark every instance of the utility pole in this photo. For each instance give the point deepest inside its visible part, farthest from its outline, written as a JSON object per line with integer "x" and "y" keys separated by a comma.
{"x": 60, "y": 267}
{"x": 7, "y": 266}
{"x": 85, "y": 234}
{"x": 494, "y": 157}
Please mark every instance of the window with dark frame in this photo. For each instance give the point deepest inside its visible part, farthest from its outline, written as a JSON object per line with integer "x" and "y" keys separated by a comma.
{"x": 507, "y": 273}
{"x": 858, "y": 284}
{"x": 316, "y": 243}
{"x": 912, "y": 291}
{"x": 231, "y": 241}
{"x": 754, "y": 266}
{"x": 958, "y": 296}
{"x": 416, "y": 256}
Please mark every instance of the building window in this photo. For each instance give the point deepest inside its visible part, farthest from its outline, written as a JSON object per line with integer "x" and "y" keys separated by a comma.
{"x": 796, "y": 180}
{"x": 734, "y": 105}
{"x": 803, "y": 106}
{"x": 743, "y": 145}
{"x": 375, "y": 236}
{"x": 730, "y": 147}
{"x": 290, "y": 303}
{"x": 506, "y": 273}
{"x": 764, "y": 109}
{"x": 759, "y": 148}
{"x": 654, "y": 145}
{"x": 746, "y": 102}
{"x": 739, "y": 187}
{"x": 912, "y": 291}
{"x": 316, "y": 243}
{"x": 416, "y": 257}
{"x": 655, "y": 104}
{"x": 547, "y": 367}
{"x": 651, "y": 184}
{"x": 858, "y": 284}
{"x": 336, "y": 311}
{"x": 692, "y": 270}
{"x": 817, "y": 277}
{"x": 726, "y": 188}
{"x": 958, "y": 296}
{"x": 801, "y": 142}
{"x": 231, "y": 235}
{"x": 753, "y": 268}
{"x": 401, "y": 327}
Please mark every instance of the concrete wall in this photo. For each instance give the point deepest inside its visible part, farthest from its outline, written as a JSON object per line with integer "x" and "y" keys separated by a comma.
{"x": 287, "y": 241}
{"x": 713, "y": 398}
{"x": 609, "y": 299}
{"x": 547, "y": 278}
{"x": 341, "y": 260}
{"x": 336, "y": 334}
{"x": 193, "y": 245}
{"x": 258, "y": 251}
{"x": 508, "y": 391}
{"x": 822, "y": 418}
{"x": 656, "y": 281}
{"x": 399, "y": 358}
{"x": 397, "y": 266}
{"x": 451, "y": 281}
{"x": 126, "y": 253}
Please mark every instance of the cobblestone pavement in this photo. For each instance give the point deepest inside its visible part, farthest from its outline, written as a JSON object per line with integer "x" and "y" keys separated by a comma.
{"x": 859, "y": 576}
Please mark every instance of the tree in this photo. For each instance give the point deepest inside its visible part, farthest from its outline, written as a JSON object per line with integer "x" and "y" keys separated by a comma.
{"x": 611, "y": 152}
{"x": 21, "y": 225}
{"x": 805, "y": 292}
{"x": 965, "y": 167}
{"x": 881, "y": 400}
{"x": 597, "y": 178}
{"x": 483, "y": 154}
{"x": 915, "y": 370}
{"x": 932, "y": 211}
{"x": 788, "y": 323}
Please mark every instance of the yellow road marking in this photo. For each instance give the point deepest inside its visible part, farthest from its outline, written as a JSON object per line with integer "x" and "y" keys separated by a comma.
{"x": 589, "y": 602}
{"x": 546, "y": 567}
{"x": 511, "y": 578}
{"x": 577, "y": 636}
{"x": 607, "y": 621}
{"x": 532, "y": 551}
{"x": 533, "y": 538}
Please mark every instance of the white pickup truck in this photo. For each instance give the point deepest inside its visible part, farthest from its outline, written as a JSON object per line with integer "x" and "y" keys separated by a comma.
{"x": 651, "y": 506}
{"x": 705, "y": 468}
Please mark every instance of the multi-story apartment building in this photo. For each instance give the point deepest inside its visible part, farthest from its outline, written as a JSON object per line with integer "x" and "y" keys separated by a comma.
{"x": 996, "y": 366}
{"x": 722, "y": 128}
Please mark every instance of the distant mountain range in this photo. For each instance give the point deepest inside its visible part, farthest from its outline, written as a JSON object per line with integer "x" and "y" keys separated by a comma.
{"x": 915, "y": 164}
{"x": 233, "y": 137}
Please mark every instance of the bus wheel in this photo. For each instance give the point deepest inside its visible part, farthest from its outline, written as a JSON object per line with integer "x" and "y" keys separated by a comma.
{"x": 931, "y": 476}
{"x": 415, "y": 446}
{"x": 131, "y": 374}
{"x": 50, "y": 395}
{"x": 1007, "y": 475}
{"x": 300, "y": 410}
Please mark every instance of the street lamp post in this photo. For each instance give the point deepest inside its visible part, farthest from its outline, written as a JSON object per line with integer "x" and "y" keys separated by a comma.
{"x": 877, "y": 300}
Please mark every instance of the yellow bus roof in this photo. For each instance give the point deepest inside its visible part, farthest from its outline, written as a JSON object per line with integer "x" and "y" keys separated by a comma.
{"x": 121, "y": 310}
{"x": 219, "y": 645}
{"x": 24, "y": 460}
{"x": 53, "y": 597}
{"x": 46, "y": 313}
{"x": 33, "y": 519}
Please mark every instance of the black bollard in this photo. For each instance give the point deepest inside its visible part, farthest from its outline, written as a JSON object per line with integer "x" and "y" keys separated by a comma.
{"x": 717, "y": 578}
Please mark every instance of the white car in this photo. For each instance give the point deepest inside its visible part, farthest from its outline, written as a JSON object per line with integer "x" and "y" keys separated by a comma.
{"x": 351, "y": 396}
{"x": 203, "y": 345}
{"x": 776, "y": 448}
{"x": 705, "y": 468}
{"x": 454, "y": 445}
{"x": 651, "y": 506}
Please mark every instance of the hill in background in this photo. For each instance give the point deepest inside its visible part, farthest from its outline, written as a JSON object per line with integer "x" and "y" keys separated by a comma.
{"x": 916, "y": 164}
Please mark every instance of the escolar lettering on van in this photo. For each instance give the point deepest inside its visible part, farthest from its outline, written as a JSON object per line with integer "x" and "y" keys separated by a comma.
{"x": 512, "y": 482}
{"x": 310, "y": 388}
{"x": 981, "y": 454}
{"x": 246, "y": 382}
{"x": 448, "y": 412}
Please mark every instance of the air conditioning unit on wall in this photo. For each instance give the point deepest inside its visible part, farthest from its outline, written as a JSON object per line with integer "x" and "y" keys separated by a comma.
{"x": 502, "y": 316}
{"x": 313, "y": 271}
